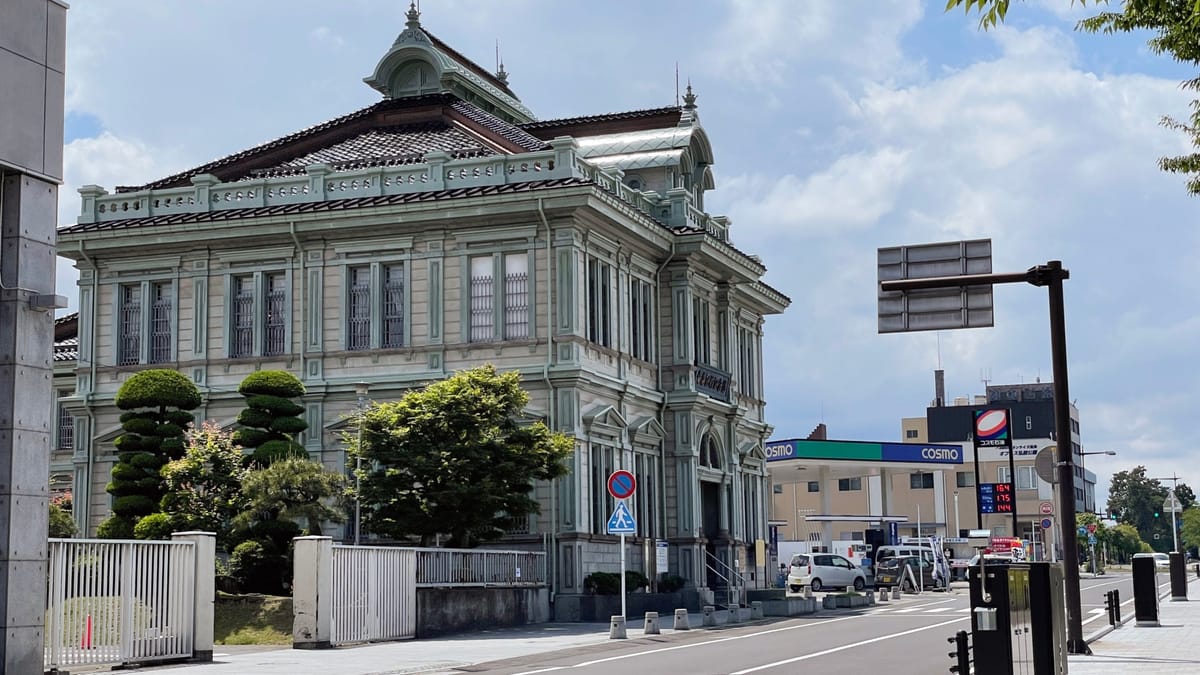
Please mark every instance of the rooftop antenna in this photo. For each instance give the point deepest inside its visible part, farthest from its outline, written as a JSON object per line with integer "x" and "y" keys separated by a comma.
{"x": 676, "y": 84}
{"x": 985, "y": 376}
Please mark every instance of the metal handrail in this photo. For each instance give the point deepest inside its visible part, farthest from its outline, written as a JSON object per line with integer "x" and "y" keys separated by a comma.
{"x": 731, "y": 585}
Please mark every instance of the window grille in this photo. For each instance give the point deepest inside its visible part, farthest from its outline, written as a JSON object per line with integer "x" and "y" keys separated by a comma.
{"x": 393, "y": 306}
{"x": 131, "y": 325}
{"x": 599, "y": 302}
{"x": 66, "y": 429}
{"x": 482, "y": 306}
{"x": 276, "y": 306}
{"x": 516, "y": 305}
{"x": 359, "y": 309}
{"x": 242, "y": 338}
{"x": 160, "y": 323}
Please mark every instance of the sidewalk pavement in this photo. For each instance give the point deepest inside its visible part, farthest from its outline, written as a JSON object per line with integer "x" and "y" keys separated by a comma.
{"x": 1171, "y": 648}
{"x": 428, "y": 656}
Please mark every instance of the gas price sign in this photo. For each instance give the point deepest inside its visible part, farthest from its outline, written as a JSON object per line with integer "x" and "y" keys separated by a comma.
{"x": 996, "y": 498}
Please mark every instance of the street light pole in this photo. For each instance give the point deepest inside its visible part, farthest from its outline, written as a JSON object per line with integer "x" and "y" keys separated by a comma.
{"x": 361, "y": 389}
{"x": 957, "y": 529}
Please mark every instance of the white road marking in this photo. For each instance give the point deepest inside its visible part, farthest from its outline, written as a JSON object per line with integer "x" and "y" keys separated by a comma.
{"x": 935, "y": 610}
{"x": 844, "y": 647}
{"x": 689, "y": 645}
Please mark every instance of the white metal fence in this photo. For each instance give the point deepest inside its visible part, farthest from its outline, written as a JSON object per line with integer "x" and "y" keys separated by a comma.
{"x": 374, "y": 597}
{"x": 374, "y": 588}
{"x": 478, "y": 567}
{"x": 112, "y": 601}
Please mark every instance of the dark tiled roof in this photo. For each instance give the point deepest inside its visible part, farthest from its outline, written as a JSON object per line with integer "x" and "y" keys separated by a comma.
{"x": 409, "y": 141}
{"x": 318, "y": 207}
{"x": 542, "y": 125}
{"x": 358, "y": 118}
{"x": 67, "y": 350}
{"x": 498, "y": 126}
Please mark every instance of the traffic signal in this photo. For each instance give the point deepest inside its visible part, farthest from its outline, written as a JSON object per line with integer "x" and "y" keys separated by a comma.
{"x": 1155, "y": 513}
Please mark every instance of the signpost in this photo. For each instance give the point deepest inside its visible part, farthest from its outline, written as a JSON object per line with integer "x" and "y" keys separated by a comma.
{"x": 1046, "y": 508}
{"x": 1171, "y": 503}
{"x": 621, "y": 485}
{"x": 1047, "y": 523}
{"x": 903, "y": 283}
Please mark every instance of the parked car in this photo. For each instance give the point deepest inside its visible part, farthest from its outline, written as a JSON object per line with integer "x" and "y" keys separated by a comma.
{"x": 902, "y": 550}
{"x": 1162, "y": 561}
{"x": 824, "y": 570}
{"x": 890, "y": 573}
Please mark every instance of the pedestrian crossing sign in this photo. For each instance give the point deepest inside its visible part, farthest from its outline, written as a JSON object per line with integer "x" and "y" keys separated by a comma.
{"x": 621, "y": 521}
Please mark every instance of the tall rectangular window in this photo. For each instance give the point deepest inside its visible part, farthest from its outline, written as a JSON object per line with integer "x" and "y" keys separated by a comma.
{"x": 516, "y": 296}
{"x": 393, "y": 306}
{"x": 130, "y": 349}
{"x": 242, "y": 321}
{"x": 275, "y": 318}
{"x": 599, "y": 281}
{"x": 160, "y": 321}
{"x": 1026, "y": 478}
{"x": 641, "y": 320}
{"x": 66, "y": 426}
{"x": 747, "y": 362}
{"x": 964, "y": 478}
{"x": 700, "y": 328}
{"x": 1003, "y": 475}
{"x": 601, "y": 466}
{"x": 358, "y": 308}
{"x": 482, "y": 293}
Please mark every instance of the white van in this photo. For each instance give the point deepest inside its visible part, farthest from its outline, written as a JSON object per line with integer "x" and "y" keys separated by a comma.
{"x": 900, "y": 550}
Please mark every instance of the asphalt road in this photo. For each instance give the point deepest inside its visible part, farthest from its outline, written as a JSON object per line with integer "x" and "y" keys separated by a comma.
{"x": 908, "y": 637}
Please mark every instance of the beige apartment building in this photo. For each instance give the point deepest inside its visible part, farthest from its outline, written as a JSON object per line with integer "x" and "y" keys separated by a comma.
{"x": 824, "y": 500}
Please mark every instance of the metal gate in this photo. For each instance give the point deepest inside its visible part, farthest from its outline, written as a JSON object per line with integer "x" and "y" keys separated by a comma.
{"x": 374, "y": 594}
{"x": 112, "y": 601}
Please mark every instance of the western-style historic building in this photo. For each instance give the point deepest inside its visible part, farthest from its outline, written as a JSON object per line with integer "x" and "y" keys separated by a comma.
{"x": 442, "y": 228}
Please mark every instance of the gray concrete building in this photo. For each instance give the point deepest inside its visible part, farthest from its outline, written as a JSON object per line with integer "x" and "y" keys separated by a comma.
{"x": 32, "y": 67}
{"x": 442, "y": 228}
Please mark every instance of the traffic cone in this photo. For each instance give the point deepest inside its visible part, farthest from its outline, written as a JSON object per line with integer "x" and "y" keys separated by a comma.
{"x": 85, "y": 640}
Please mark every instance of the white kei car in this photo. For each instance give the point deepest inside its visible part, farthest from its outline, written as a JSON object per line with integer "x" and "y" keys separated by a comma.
{"x": 824, "y": 570}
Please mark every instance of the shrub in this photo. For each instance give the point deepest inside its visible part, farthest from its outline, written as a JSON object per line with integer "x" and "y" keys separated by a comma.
{"x": 275, "y": 405}
{"x": 253, "y": 417}
{"x": 158, "y": 388}
{"x": 258, "y": 567}
{"x": 670, "y": 583}
{"x": 273, "y": 382}
{"x": 62, "y": 525}
{"x": 635, "y": 580}
{"x": 115, "y": 527}
{"x": 154, "y": 526}
{"x": 602, "y": 583}
{"x": 133, "y": 505}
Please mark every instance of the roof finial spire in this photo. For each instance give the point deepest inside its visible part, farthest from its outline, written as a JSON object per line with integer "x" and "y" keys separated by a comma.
{"x": 501, "y": 74}
{"x": 414, "y": 15}
{"x": 689, "y": 99}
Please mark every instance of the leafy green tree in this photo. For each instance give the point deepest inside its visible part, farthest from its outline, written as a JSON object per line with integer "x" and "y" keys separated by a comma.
{"x": 288, "y": 489}
{"x": 204, "y": 487}
{"x": 1175, "y": 29}
{"x": 62, "y": 525}
{"x": 452, "y": 459}
{"x": 1137, "y": 499}
{"x": 1123, "y": 542}
{"x": 292, "y": 488}
{"x": 271, "y": 419}
{"x": 1189, "y": 531}
{"x": 156, "y": 404}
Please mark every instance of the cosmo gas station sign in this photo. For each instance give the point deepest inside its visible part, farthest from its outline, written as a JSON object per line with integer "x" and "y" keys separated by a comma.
{"x": 863, "y": 451}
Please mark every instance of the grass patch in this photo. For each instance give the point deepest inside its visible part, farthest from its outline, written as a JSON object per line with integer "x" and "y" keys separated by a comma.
{"x": 252, "y": 620}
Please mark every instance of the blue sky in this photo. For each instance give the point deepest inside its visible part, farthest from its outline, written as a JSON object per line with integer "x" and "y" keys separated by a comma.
{"x": 839, "y": 126}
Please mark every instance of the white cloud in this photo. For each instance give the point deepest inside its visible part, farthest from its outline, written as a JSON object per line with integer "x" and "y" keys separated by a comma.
{"x": 324, "y": 35}
{"x": 108, "y": 161}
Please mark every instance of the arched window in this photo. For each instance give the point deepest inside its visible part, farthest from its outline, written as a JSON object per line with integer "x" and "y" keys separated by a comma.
{"x": 710, "y": 452}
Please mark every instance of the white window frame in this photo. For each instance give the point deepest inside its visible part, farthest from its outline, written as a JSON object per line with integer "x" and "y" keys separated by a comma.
{"x": 259, "y": 321}
{"x": 600, "y": 304}
{"x": 1026, "y": 478}
{"x": 701, "y": 331}
{"x": 1003, "y": 475}
{"x": 153, "y": 296}
{"x": 369, "y": 289}
{"x": 641, "y": 319}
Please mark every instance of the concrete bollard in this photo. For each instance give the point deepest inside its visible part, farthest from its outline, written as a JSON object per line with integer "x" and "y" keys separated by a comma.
{"x": 650, "y": 627}
{"x": 896, "y": 592}
{"x": 756, "y": 610}
{"x": 681, "y": 620}
{"x": 808, "y": 592}
{"x": 883, "y": 594}
{"x": 710, "y": 615}
{"x": 735, "y": 613}
{"x": 617, "y": 631}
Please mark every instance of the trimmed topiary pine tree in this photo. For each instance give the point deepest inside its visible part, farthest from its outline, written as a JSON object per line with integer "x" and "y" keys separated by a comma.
{"x": 271, "y": 419}
{"x": 156, "y": 418}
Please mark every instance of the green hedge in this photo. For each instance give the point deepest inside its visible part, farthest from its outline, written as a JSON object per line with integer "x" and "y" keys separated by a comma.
{"x": 273, "y": 382}
{"x": 274, "y": 404}
{"x": 158, "y": 388}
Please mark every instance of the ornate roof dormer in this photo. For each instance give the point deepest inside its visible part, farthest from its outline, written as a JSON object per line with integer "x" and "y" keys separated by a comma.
{"x": 418, "y": 64}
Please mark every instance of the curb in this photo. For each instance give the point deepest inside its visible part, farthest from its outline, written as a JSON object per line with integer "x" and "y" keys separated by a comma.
{"x": 1089, "y": 639}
